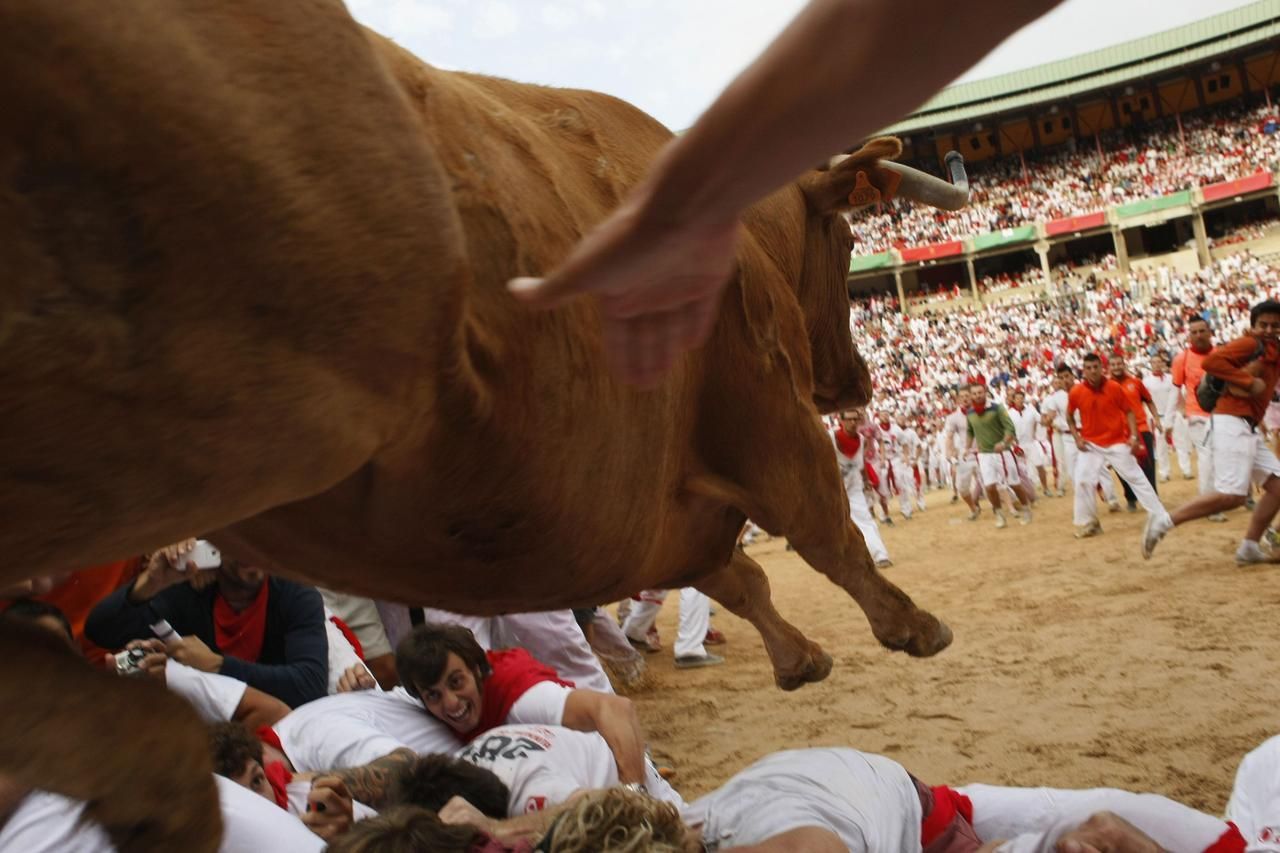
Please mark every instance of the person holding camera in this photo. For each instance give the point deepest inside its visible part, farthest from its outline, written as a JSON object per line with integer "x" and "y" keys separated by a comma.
{"x": 231, "y": 619}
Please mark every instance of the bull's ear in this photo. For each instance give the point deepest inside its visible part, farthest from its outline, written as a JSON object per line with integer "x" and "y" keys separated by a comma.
{"x": 854, "y": 181}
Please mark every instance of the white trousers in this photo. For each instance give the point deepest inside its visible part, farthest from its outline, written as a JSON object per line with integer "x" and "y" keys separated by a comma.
{"x": 1182, "y": 442}
{"x": 1090, "y": 468}
{"x": 904, "y": 478}
{"x": 552, "y": 637}
{"x": 695, "y": 619}
{"x": 861, "y": 515}
{"x": 1067, "y": 465}
{"x": 1198, "y": 430}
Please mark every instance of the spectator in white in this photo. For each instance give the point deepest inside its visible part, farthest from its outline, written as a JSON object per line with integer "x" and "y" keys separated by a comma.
{"x": 1248, "y": 368}
{"x": 992, "y": 433}
{"x": 1107, "y": 434}
{"x": 850, "y": 456}
{"x": 1165, "y": 396}
{"x": 692, "y": 633}
{"x": 1026, "y": 421}
{"x": 1254, "y": 806}
{"x": 267, "y": 632}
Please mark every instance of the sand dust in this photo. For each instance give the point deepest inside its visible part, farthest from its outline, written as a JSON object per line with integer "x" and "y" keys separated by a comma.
{"x": 1075, "y": 663}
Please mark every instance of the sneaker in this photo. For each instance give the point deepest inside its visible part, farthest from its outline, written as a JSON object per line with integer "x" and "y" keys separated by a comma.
{"x": 955, "y": 499}
{"x": 1164, "y": 478}
{"x": 1133, "y": 507}
{"x": 714, "y": 637}
{"x": 884, "y": 564}
{"x": 1218, "y": 517}
{"x": 1093, "y": 528}
{"x": 695, "y": 661}
{"x": 1271, "y": 537}
{"x": 1251, "y": 554}
{"x": 920, "y": 506}
{"x": 1153, "y": 531}
{"x": 1113, "y": 506}
{"x": 1000, "y": 522}
{"x": 1047, "y": 492}
{"x": 974, "y": 513}
{"x": 1024, "y": 517}
{"x": 1062, "y": 493}
{"x": 1186, "y": 476}
{"x": 888, "y": 521}
{"x": 650, "y": 644}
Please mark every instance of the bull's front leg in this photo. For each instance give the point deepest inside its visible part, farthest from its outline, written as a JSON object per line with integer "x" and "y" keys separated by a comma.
{"x": 136, "y": 753}
{"x": 743, "y": 588}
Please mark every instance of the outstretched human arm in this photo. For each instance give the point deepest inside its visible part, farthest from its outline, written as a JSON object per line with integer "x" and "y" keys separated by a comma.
{"x": 661, "y": 260}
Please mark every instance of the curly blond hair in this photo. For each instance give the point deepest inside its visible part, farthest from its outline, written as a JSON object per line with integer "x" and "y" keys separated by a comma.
{"x": 619, "y": 821}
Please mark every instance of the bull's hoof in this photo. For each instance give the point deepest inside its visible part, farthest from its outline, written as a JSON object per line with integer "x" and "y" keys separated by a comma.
{"x": 818, "y": 668}
{"x": 931, "y": 637}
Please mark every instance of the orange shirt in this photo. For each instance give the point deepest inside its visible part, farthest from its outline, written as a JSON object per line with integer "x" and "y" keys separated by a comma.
{"x": 78, "y": 594}
{"x": 1234, "y": 363}
{"x": 1102, "y": 412}
{"x": 1137, "y": 393}
{"x": 1188, "y": 370}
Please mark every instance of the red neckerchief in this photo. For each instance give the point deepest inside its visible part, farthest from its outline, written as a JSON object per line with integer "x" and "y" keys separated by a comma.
{"x": 514, "y": 672}
{"x": 885, "y": 426}
{"x": 240, "y": 634}
{"x": 948, "y": 803}
{"x": 1017, "y": 409}
{"x": 848, "y": 444}
{"x": 977, "y": 410}
{"x": 279, "y": 777}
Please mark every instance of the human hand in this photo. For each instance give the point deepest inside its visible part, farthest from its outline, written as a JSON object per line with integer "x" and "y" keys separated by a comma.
{"x": 329, "y": 809}
{"x": 161, "y": 571}
{"x": 1256, "y": 387}
{"x": 659, "y": 282}
{"x": 1081, "y": 444}
{"x": 153, "y": 665}
{"x": 194, "y": 653}
{"x": 356, "y": 677}
{"x": 459, "y": 811}
{"x": 1105, "y": 832}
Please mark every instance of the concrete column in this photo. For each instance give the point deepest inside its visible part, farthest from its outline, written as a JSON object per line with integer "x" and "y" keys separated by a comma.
{"x": 902, "y": 296}
{"x": 1202, "y": 238}
{"x": 973, "y": 281}
{"x": 1122, "y": 251}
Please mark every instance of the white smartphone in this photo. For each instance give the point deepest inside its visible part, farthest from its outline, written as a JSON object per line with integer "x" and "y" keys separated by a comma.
{"x": 202, "y": 558}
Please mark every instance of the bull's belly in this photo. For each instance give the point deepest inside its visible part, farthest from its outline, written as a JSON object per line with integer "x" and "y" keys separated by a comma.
{"x": 497, "y": 563}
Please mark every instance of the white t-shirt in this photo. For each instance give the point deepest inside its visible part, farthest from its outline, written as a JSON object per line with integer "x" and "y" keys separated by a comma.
{"x": 49, "y": 823}
{"x": 888, "y": 439}
{"x": 1024, "y": 424}
{"x": 543, "y": 765}
{"x": 350, "y": 729}
{"x": 850, "y": 467}
{"x": 957, "y": 430}
{"x": 1057, "y": 404}
{"x": 1163, "y": 393}
{"x": 908, "y": 445}
{"x": 1255, "y": 800}
{"x": 215, "y": 697}
{"x": 868, "y": 800}
{"x": 542, "y": 704}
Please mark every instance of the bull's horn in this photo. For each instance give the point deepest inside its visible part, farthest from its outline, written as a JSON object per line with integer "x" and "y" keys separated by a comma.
{"x": 927, "y": 189}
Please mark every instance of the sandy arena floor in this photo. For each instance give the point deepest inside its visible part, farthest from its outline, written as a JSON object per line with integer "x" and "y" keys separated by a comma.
{"x": 1075, "y": 663}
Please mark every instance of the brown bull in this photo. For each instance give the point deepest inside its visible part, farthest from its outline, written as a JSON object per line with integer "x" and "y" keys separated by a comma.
{"x": 252, "y": 276}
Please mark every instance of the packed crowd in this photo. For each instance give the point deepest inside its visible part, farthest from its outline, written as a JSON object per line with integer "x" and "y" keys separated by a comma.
{"x": 916, "y": 358}
{"x": 1135, "y": 163}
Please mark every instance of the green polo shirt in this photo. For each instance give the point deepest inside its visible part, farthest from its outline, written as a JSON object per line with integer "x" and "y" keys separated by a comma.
{"x": 993, "y": 425}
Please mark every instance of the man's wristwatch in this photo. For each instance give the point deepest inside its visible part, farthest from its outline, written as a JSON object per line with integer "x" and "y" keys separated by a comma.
{"x": 637, "y": 787}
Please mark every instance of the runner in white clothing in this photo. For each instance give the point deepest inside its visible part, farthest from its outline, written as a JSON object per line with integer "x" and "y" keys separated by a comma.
{"x": 1054, "y": 411}
{"x": 906, "y": 463}
{"x": 850, "y": 452}
{"x": 964, "y": 465}
{"x": 1026, "y": 420}
{"x": 1165, "y": 396}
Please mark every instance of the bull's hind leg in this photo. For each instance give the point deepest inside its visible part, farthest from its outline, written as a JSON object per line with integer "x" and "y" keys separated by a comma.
{"x": 742, "y": 587}
{"x": 136, "y": 753}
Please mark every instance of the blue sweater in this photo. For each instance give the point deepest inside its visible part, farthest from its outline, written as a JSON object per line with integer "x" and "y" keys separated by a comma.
{"x": 294, "y": 664}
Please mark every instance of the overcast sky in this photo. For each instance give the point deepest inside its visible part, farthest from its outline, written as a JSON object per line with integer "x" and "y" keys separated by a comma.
{"x": 671, "y": 57}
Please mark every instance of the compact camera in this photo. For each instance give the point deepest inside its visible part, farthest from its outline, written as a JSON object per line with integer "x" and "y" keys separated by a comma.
{"x": 127, "y": 662}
